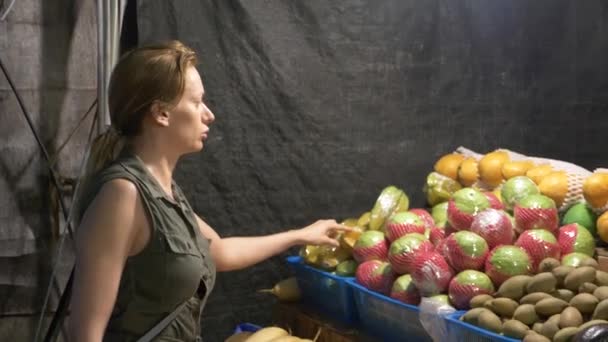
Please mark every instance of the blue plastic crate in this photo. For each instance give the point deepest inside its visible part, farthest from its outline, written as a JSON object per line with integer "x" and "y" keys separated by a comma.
{"x": 246, "y": 327}
{"x": 461, "y": 331}
{"x": 386, "y": 318}
{"x": 325, "y": 292}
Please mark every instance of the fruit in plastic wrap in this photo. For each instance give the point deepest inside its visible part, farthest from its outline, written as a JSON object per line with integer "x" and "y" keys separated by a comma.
{"x": 431, "y": 273}
{"x": 536, "y": 212}
{"x": 495, "y": 202}
{"x": 370, "y": 245}
{"x": 466, "y": 251}
{"x": 507, "y": 261}
{"x": 555, "y": 186}
{"x": 595, "y": 190}
{"x": 402, "y": 223}
{"x": 574, "y": 259}
{"x": 390, "y": 200}
{"x": 439, "y": 212}
{"x": 513, "y": 168}
{"x": 466, "y": 285}
{"x": 516, "y": 189}
{"x": 403, "y": 250}
{"x": 464, "y": 205}
{"x": 468, "y": 173}
{"x": 448, "y": 165}
{"x": 425, "y": 216}
{"x": 346, "y": 268}
{"x": 376, "y": 275}
{"x": 576, "y": 238}
{"x": 436, "y": 234}
{"x": 494, "y": 226}
{"x": 539, "y": 244}
{"x": 405, "y": 291}
{"x": 439, "y": 188}
{"x": 329, "y": 257}
{"x": 363, "y": 220}
{"x": 582, "y": 214}
{"x": 490, "y": 167}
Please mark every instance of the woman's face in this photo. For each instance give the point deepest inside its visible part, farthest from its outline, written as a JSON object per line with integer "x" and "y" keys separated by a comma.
{"x": 190, "y": 119}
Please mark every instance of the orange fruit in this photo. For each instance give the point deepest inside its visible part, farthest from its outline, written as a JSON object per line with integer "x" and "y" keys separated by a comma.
{"x": 448, "y": 165}
{"x": 536, "y": 173}
{"x": 555, "y": 186}
{"x": 490, "y": 167}
{"x": 512, "y": 169}
{"x": 468, "y": 172}
{"x": 602, "y": 226}
{"x": 595, "y": 189}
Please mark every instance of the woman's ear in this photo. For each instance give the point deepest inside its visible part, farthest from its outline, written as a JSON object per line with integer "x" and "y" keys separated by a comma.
{"x": 160, "y": 114}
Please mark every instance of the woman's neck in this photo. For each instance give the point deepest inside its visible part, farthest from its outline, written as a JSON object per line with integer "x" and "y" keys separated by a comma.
{"x": 159, "y": 163}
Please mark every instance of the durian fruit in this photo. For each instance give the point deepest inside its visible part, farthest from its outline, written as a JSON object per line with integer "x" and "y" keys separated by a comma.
{"x": 468, "y": 172}
{"x": 514, "y": 168}
{"x": 595, "y": 190}
{"x": 538, "y": 172}
{"x": 562, "y": 187}
{"x": 448, "y": 165}
{"x": 490, "y": 167}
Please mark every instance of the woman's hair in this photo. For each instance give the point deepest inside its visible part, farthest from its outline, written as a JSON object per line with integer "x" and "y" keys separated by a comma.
{"x": 142, "y": 77}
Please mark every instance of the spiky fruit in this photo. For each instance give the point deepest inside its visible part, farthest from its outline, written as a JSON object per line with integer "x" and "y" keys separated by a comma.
{"x": 582, "y": 214}
{"x": 516, "y": 189}
{"x": 495, "y": 203}
{"x": 574, "y": 259}
{"x": 466, "y": 251}
{"x": 440, "y": 214}
{"x": 425, "y": 216}
{"x": 375, "y": 275}
{"x": 464, "y": 205}
{"x": 403, "y": 250}
{"x": 466, "y": 285}
{"x": 539, "y": 244}
{"x": 405, "y": 291}
{"x": 494, "y": 226}
{"x": 436, "y": 234}
{"x": 506, "y": 261}
{"x": 431, "y": 273}
{"x": 403, "y": 223}
{"x": 576, "y": 238}
{"x": 371, "y": 245}
{"x": 536, "y": 212}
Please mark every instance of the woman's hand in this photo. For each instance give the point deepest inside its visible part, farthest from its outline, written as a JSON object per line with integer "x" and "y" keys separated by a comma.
{"x": 322, "y": 232}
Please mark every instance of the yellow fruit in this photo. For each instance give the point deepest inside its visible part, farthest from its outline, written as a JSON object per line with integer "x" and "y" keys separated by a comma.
{"x": 267, "y": 334}
{"x": 595, "y": 189}
{"x": 512, "y": 169}
{"x": 490, "y": 167}
{"x": 555, "y": 186}
{"x": 363, "y": 221}
{"x": 468, "y": 172}
{"x": 602, "y": 226}
{"x": 350, "y": 222}
{"x": 287, "y": 290}
{"x": 348, "y": 239}
{"x": 448, "y": 165}
{"x": 538, "y": 172}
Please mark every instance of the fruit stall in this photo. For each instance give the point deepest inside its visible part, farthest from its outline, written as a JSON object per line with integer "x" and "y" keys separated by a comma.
{"x": 509, "y": 248}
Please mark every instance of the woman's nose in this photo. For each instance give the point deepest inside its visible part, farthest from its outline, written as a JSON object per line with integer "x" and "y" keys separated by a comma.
{"x": 208, "y": 116}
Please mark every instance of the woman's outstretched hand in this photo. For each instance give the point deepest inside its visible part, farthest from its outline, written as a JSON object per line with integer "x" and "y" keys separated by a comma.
{"x": 322, "y": 232}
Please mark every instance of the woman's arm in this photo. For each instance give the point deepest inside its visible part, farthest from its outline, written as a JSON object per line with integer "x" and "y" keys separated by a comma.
{"x": 105, "y": 238}
{"x": 240, "y": 252}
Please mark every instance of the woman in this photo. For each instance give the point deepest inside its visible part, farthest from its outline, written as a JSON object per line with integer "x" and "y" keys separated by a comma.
{"x": 142, "y": 253}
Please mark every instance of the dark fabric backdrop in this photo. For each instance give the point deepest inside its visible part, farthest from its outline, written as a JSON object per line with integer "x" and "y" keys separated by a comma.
{"x": 321, "y": 104}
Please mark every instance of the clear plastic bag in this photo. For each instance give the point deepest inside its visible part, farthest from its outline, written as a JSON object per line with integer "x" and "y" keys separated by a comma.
{"x": 432, "y": 312}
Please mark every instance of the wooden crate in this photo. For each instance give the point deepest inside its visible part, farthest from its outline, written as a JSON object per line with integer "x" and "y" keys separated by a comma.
{"x": 305, "y": 323}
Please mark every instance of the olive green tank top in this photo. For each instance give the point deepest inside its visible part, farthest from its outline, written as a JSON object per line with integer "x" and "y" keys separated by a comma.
{"x": 174, "y": 267}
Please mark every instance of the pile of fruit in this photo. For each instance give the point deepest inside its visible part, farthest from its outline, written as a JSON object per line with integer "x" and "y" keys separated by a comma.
{"x": 267, "y": 334}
